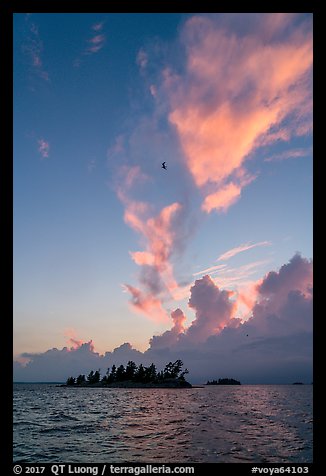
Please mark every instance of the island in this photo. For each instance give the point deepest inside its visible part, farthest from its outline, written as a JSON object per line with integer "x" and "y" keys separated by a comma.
{"x": 133, "y": 376}
{"x": 224, "y": 381}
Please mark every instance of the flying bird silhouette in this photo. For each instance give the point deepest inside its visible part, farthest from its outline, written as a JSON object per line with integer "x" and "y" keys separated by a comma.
{"x": 164, "y": 166}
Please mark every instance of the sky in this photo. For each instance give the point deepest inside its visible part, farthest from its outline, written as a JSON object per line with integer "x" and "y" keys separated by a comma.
{"x": 116, "y": 258}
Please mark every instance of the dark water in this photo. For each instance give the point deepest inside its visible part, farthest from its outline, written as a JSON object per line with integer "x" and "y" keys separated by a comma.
{"x": 259, "y": 423}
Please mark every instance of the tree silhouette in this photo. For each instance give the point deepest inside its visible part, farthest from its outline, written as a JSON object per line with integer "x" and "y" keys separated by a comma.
{"x": 150, "y": 374}
{"x": 121, "y": 373}
{"x": 113, "y": 374}
{"x": 93, "y": 377}
{"x": 140, "y": 374}
{"x": 172, "y": 370}
{"x": 131, "y": 369}
{"x": 80, "y": 379}
{"x": 147, "y": 375}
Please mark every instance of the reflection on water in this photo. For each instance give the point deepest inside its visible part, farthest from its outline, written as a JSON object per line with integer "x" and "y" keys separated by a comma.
{"x": 261, "y": 423}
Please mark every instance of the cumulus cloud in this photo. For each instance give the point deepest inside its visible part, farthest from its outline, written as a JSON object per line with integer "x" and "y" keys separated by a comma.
{"x": 170, "y": 338}
{"x": 236, "y": 93}
{"x": 213, "y": 309}
{"x": 285, "y": 298}
{"x": 273, "y": 346}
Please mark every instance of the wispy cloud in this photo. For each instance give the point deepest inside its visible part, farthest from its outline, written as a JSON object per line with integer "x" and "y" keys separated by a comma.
{"x": 210, "y": 270}
{"x": 94, "y": 44}
{"x": 239, "y": 249}
{"x": 43, "y": 148}
{"x": 98, "y": 26}
{"x": 233, "y": 277}
{"x": 236, "y": 94}
{"x": 33, "y": 49}
{"x": 289, "y": 154}
{"x": 142, "y": 59}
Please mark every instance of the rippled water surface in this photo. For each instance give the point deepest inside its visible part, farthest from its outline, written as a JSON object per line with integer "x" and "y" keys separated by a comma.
{"x": 258, "y": 423}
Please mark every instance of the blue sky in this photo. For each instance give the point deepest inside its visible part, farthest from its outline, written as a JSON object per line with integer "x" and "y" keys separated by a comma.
{"x": 99, "y": 98}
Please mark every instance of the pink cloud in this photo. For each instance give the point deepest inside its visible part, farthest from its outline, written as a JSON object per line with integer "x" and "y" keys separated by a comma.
{"x": 210, "y": 269}
{"x": 239, "y": 249}
{"x": 274, "y": 345}
{"x": 161, "y": 235}
{"x": 213, "y": 307}
{"x": 43, "y": 148}
{"x": 236, "y": 92}
{"x": 284, "y": 301}
{"x": 171, "y": 337}
{"x": 222, "y": 199}
{"x": 147, "y": 304}
{"x": 289, "y": 154}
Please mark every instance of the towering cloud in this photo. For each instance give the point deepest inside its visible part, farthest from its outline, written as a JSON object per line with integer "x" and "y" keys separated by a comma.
{"x": 284, "y": 303}
{"x": 213, "y": 308}
{"x": 170, "y": 338}
{"x": 274, "y": 345}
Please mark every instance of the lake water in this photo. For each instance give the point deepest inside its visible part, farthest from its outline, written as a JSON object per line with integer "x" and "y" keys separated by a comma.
{"x": 247, "y": 423}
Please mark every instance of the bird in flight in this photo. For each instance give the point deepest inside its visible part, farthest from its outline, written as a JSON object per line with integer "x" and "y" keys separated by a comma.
{"x": 164, "y": 166}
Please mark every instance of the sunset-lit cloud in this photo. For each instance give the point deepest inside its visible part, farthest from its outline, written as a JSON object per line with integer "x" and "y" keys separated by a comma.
{"x": 235, "y": 94}
{"x": 213, "y": 308}
{"x": 147, "y": 304}
{"x": 94, "y": 44}
{"x": 223, "y": 198}
{"x": 289, "y": 154}
{"x": 170, "y": 338}
{"x": 210, "y": 269}
{"x": 272, "y": 345}
{"x": 43, "y": 148}
{"x": 186, "y": 261}
{"x": 160, "y": 234}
